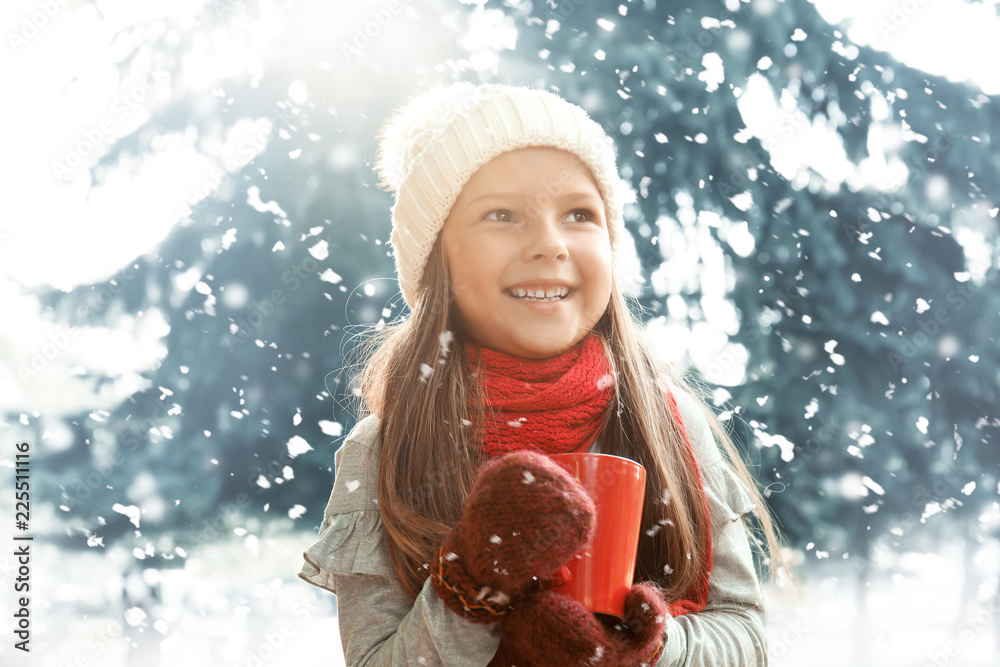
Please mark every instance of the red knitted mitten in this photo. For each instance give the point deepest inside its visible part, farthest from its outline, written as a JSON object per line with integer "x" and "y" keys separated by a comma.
{"x": 550, "y": 628}
{"x": 524, "y": 518}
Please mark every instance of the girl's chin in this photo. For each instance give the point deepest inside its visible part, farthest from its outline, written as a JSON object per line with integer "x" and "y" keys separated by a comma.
{"x": 543, "y": 349}
{"x": 525, "y": 341}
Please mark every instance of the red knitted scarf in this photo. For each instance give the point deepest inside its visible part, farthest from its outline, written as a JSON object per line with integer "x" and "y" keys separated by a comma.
{"x": 557, "y": 405}
{"x": 553, "y": 405}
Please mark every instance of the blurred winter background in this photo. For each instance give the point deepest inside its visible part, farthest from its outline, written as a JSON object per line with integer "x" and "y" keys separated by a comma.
{"x": 192, "y": 239}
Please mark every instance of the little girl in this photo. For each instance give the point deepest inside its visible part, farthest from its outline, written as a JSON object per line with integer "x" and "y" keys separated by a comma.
{"x": 448, "y": 527}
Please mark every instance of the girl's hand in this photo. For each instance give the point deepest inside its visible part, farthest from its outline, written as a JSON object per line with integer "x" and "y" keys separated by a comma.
{"x": 550, "y": 628}
{"x": 524, "y": 518}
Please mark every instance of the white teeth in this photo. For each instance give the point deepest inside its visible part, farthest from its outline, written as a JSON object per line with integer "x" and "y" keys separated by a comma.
{"x": 551, "y": 294}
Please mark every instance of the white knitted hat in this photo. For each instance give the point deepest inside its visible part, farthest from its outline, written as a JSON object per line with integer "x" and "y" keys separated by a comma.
{"x": 432, "y": 146}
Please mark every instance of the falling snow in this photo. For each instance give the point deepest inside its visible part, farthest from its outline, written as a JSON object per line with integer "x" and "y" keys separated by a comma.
{"x": 297, "y": 445}
{"x": 131, "y": 511}
{"x": 425, "y": 372}
{"x": 135, "y": 616}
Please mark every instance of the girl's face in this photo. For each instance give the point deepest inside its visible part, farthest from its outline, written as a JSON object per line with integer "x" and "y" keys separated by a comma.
{"x": 529, "y": 253}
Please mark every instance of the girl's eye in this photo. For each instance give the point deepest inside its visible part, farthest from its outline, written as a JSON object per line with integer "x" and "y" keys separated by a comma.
{"x": 580, "y": 215}
{"x": 500, "y": 215}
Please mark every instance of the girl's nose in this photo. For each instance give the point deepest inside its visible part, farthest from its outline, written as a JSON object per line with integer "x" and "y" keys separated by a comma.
{"x": 546, "y": 241}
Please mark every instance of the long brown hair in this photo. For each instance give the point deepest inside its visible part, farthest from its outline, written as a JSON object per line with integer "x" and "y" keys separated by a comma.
{"x": 418, "y": 381}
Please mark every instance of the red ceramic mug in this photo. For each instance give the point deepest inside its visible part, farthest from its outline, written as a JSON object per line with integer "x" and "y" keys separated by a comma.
{"x": 601, "y": 574}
